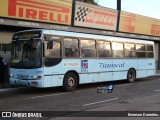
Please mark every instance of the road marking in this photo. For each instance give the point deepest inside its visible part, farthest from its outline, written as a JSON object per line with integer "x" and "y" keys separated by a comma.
{"x": 157, "y": 90}
{"x": 124, "y": 84}
{"x": 48, "y": 95}
{"x": 100, "y": 101}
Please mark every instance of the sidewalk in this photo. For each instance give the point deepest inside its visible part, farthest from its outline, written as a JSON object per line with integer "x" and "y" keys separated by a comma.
{"x": 5, "y": 89}
{"x": 157, "y": 73}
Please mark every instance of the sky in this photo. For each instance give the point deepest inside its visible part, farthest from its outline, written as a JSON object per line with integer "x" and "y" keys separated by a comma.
{"x": 150, "y": 8}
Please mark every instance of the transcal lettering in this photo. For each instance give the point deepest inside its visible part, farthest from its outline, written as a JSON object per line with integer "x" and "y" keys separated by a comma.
{"x": 104, "y": 65}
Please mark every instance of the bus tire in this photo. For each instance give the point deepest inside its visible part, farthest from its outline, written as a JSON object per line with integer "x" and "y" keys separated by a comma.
{"x": 70, "y": 82}
{"x": 131, "y": 75}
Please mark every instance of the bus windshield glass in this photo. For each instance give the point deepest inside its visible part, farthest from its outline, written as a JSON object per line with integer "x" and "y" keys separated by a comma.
{"x": 26, "y": 54}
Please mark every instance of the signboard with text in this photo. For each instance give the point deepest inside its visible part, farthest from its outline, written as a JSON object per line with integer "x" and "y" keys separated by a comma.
{"x": 133, "y": 23}
{"x": 51, "y": 11}
{"x": 25, "y": 23}
{"x": 88, "y": 15}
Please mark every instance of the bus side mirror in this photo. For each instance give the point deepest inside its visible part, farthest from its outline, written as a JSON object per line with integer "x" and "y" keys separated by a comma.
{"x": 50, "y": 45}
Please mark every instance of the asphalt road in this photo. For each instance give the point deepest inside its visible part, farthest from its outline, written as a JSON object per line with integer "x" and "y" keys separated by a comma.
{"x": 143, "y": 95}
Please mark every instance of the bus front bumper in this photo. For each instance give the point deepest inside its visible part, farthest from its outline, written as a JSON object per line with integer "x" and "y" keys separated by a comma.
{"x": 27, "y": 83}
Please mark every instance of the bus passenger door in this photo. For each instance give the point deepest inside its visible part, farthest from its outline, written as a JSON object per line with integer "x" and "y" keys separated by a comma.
{"x": 52, "y": 57}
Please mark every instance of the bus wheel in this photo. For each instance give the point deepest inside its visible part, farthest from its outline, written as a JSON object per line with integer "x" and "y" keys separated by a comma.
{"x": 70, "y": 82}
{"x": 131, "y": 75}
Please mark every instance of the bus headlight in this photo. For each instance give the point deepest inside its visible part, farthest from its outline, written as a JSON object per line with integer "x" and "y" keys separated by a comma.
{"x": 34, "y": 77}
{"x": 11, "y": 75}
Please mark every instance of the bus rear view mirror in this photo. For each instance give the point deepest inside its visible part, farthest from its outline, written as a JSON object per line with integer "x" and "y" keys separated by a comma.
{"x": 50, "y": 45}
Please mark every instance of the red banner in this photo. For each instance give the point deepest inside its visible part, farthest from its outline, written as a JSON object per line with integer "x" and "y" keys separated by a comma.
{"x": 38, "y": 10}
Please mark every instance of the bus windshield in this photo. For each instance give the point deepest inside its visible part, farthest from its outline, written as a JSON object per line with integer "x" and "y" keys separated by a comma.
{"x": 26, "y": 54}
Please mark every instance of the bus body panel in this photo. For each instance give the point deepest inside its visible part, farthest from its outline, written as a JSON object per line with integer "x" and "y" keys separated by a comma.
{"x": 141, "y": 73}
{"x": 53, "y": 81}
{"x": 97, "y": 71}
{"x": 145, "y": 67}
{"x": 151, "y": 72}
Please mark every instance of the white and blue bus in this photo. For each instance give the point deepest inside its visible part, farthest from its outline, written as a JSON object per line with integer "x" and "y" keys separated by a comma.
{"x": 50, "y": 58}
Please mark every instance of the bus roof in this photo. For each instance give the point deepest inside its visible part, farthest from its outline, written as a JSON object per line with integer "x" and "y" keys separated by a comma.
{"x": 87, "y": 35}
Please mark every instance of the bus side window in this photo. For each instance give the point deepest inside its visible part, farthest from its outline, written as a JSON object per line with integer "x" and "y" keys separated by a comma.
{"x": 55, "y": 51}
{"x": 130, "y": 50}
{"x": 141, "y": 50}
{"x": 104, "y": 49}
{"x": 83, "y": 53}
{"x": 71, "y": 47}
{"x": 50, "y": 45}
{"x": 150, "y": 51}
{"x": 52, "y": 53}
{"x": 88, "y": 48}
{"x": 118, "y": 50}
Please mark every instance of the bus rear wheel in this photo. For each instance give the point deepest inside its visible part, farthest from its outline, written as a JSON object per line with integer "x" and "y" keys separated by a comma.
{"x": 131, "y": 75}
{"x": 70, "y": 82}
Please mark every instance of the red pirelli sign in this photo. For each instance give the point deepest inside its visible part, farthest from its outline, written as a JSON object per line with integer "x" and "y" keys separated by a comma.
{"x": 52, "y": 11}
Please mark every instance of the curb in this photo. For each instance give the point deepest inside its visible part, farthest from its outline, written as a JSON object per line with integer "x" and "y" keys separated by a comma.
{"x": 3, "y": 90}
{"x": 8, "y": 89}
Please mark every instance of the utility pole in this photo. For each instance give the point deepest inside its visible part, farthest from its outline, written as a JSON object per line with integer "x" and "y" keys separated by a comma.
{"x": 119, "y": 12}
{"x": 119, "y": 5}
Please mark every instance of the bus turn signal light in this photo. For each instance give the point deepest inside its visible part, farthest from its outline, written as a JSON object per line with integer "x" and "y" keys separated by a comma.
{"x": 39, "y": 77}
{"x": 36, "y": 77}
